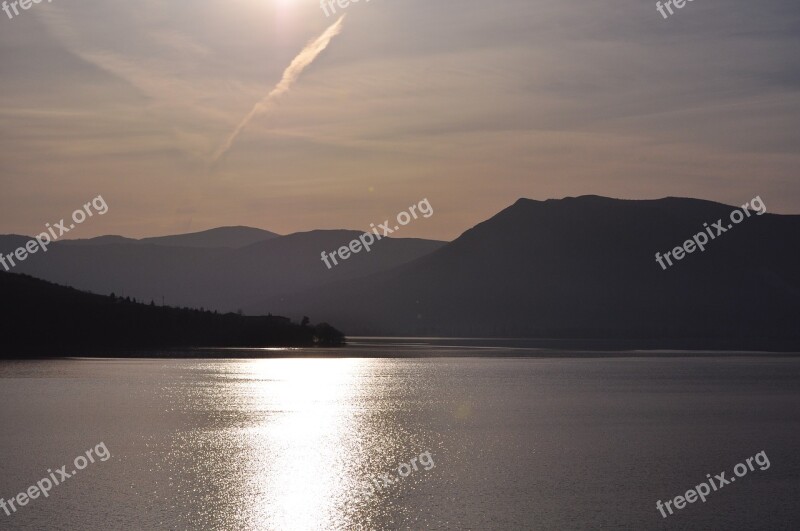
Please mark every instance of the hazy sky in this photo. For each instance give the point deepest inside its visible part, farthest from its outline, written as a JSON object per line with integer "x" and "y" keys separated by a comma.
{"x": 470, "y": 104}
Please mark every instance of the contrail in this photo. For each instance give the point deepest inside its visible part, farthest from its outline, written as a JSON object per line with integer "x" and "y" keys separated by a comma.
{"x": 290, "y": 75}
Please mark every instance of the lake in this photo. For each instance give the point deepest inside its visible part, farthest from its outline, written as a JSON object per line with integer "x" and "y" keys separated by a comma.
{"x": 543, "y": 442}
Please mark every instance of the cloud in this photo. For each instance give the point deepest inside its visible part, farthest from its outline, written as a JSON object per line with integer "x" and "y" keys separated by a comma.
{"x": 290, "y": 75}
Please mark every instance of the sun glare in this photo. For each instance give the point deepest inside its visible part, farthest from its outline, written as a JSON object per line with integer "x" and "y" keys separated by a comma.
{"x": 308, "y": 425}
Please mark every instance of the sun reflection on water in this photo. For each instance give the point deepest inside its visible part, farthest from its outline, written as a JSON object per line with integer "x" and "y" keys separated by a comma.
{"x": 305, "y": 446}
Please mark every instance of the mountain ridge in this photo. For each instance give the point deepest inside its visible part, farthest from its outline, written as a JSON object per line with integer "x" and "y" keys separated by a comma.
{"x": 234, "y": 236}
{"x": 574, "y": 267}
{"x": 585, "y": 267}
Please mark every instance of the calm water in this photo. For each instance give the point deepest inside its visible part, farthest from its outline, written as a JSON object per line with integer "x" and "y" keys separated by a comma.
{"x": 291, "y": 443}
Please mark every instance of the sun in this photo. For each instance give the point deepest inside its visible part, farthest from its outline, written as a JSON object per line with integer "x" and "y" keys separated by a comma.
{"x": 285, "y": 10}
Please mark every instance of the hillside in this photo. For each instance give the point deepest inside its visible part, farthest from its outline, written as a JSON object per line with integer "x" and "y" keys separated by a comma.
{"x": 585, "y": 268}
{"x": 40, "y": 318}
{"x": 224, "y": 279}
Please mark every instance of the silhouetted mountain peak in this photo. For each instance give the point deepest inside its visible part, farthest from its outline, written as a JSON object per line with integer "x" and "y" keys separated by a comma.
{"x": 585, "y": 266}
{"x": 221, "y": 237}
{"x": 231, "y": 237}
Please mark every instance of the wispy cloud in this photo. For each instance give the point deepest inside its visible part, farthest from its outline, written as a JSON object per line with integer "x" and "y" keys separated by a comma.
{"x": 290, "y": 75}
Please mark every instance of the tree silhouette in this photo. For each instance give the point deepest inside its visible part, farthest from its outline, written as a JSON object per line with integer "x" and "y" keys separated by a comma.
{"x": 96, "y": 324}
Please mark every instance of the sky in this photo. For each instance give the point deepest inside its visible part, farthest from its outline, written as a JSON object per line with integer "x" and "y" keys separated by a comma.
{"x": 469, "y": 104}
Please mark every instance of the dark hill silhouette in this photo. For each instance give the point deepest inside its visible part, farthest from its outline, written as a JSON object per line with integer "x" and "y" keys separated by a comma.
{"x": 224, "y": 237}
{"x": 40, "y": 318}
{"x": 585, "y": 268}
{"x": 216, "y": 278}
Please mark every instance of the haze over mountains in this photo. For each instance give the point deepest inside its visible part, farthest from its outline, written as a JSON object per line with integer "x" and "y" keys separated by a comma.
{"x": 211, "y": 277}
{"x": 571, "y": 268}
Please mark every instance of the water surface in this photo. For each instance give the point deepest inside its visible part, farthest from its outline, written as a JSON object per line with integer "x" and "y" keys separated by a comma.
{"x": 517, "y": 443}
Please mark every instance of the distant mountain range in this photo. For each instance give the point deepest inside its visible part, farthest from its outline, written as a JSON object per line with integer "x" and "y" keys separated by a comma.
{"x": 222, "y": 237}
{"x": 572, "y": 268}
{"x": 224, "y": 279}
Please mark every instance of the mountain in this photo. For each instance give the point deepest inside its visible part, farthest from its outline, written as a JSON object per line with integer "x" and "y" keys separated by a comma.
{"x": 221, "y": 237}
{"x": 38, "y": 317}
{"x": 100, "y": 240}
{"x": 577, "y": 269}
{"x": 585, "y": 268}
{"x": 218, "y": 278}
